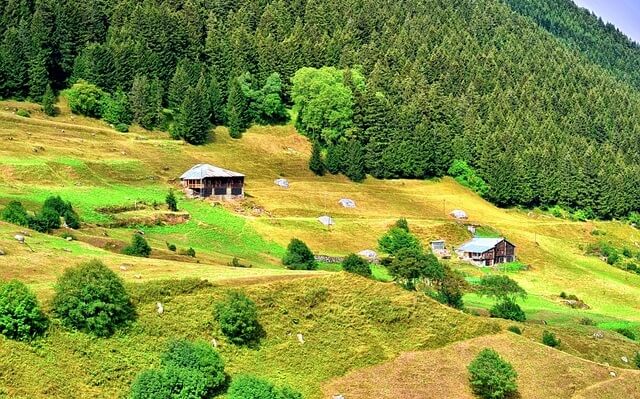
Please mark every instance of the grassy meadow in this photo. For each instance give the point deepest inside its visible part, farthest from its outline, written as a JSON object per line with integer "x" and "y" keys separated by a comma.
{"x": 358, "y": 323}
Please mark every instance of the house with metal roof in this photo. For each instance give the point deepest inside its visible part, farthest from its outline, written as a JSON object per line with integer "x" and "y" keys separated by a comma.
{"x": 487, "y": 251}
{"x": 204, "y": 181}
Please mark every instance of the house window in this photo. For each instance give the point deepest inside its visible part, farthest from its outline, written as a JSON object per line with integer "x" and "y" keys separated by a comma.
{"x": 236, "y": 191}
{"x": 220, "y": 191}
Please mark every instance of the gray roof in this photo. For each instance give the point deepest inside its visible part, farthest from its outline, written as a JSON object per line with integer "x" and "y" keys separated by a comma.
{"x": 203, "y": 170}
{"x": 480, "y": 245}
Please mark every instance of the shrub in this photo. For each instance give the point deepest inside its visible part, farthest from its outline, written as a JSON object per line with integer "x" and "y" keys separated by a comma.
{"x": 45, "y": 221}
{"x": 190, "y": 370}
{"x": 403, "y": 224}
{"x": 627, "y": 333}
{"x": 235, "y": 262}
{"x": 627, "y": 252}
{"x": 500, "y": 287}
{"x": 138, "y": 247}
{"x": 515, "y": 330}
{"x": 250, "y": 387}
{"x": 396, "y": 239}
{"x": 172, "y": 247}
{"x": 23, "y": 113}
{"x": 585, "y": 321}
{"x": 71, "y": 219}
{"x": 549, "y": 339}
{"x": 355, "y": 264}
{"x": 150, "y": 384}
{"x": 20, "y": 314}
{"x": 299, "y": 256}
{"x": 92, "y": 298}
{"x": 15, "y": 213}
{"x": 465, "y": 175}
{"x": 122, "y": 127}
{"x": 85, "y": 99}
{"x": 197, "y": 356}
{"x": 191, "y": 252}
{"x": 172, "y": 202}
{"x": 509, "y": 310}
{"x": 491, "y": 377}
{"x": 57, "y": 204}
{"x": 238, "y": 318}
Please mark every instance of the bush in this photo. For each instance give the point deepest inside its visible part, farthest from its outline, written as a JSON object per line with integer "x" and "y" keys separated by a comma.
{"x": 299, "y": 256}
{"x": 191, "y": 252}
{"x": 23, "y": 113}
{"x": 585, "y": 321}
{"x": 92, "y": 298}
{"x": 403, "y": 224}
{"x": 515, "y": 330}
{"x": 57, "y": 204}
{"x": 355, "y": 264}
{"x": 71, "y": 219}
{"x": 198, "y": 356}
{"x": 549, "y": 339}
{"x": 627, "y": 333}
{"x": 48, "y": 219}
{"x": 20, "y": 314}
{"x": 172, "y": 247}
{"x": 238, "y": 318}
{"x": 509, "y": 310}
{"x": 491, "y": 377}
{"x": 465, "y": 175}
{"x": 398, "y": 238}
{"x": 122, "y": 127}
{"x": 86, "y": 99}
{"x": 15, "y": 213}
{"x": 190, "y": 370}
{"x": 250, "y": 387}
{"x": 138, "y": 247}
{"x": 172, "y": 202}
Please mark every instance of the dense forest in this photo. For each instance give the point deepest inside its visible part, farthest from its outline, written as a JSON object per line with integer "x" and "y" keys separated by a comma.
{"x": 540, "y": 118}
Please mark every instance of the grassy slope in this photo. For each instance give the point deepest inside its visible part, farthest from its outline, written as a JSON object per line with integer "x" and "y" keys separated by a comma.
{"x": 92, "y": 166}
{"x": 442, "y": 373}
{"x": 353, "y": 323}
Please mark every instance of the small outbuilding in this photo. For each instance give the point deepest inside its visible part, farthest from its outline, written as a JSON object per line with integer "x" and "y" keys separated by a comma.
{"x": 326, "y": 220}
{"x": 487, "y": 251}
{"x": 439, "y": 248}
{"x": 204, "y": 181}
{"x": 347, "y": 203}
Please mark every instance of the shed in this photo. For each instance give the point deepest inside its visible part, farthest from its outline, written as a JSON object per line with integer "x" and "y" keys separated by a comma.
{"x": 438, "y": 245}
{"x": 326, "y": 220}
{"x": 487, "y": 251}
{"x": 204, "y": 180}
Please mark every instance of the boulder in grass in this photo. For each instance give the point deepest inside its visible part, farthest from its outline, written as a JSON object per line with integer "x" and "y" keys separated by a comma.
{"x": 347, "y": 203}
{"x": 326, "y": 220}
{"x": 284, "y": 183}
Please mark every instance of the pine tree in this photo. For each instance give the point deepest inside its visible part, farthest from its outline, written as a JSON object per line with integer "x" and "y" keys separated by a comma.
{"x": 192, "y": 121}
{"x": 146, "y": 100}
{"x": 335, "y": 158}
{"x": 216, "y": 102}
{"x": 38, "y": 76}
{"x": 316, "y": 165}
{"x": 354, "y": 159}
{"x": 48, "y": 102}
{"x": 236, "y": 110}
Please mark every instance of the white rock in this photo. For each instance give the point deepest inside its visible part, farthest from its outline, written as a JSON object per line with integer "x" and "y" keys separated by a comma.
{"x": 19, "y": 238}
{"x": 214, "y": 342}
{"x": 300, "y": 338}
{"x": 625, "y": 359}
{"x": 123, "y": 268}
{"x": 159, "y": 308}
{"x": 613, "y": 374}
{"x": 69, "y": 238}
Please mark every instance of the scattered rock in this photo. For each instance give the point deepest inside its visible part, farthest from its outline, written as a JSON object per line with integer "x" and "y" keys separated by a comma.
{"x": 2, "y": 253}
{"x": 598, "y": 335}
{"x": 159, "y": 308}
{"x": 25, "y": 233}
{"x": 625, "y": 359}
{"x": 137, "y": 276}
{"x": 284, "y": 183}
{"x": 613, "y": 373}
{"x": 19, "y": 238}
{"x": 69, "y": 238}
{"x": 300, "y": 338}
{"x": 123, "y": 268}
{"x": 214, "y": 342}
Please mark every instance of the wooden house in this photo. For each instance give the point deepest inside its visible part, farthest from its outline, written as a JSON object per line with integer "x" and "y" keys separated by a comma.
{"x": 487, "y": 251}
{"x": 204, "y": 181}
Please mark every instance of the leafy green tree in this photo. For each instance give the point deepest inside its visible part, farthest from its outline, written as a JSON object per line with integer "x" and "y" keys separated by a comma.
{"x": 151, "y": 384}
{"x": 92, "y": 298}
{"x": 48, "y": 102}
{"x": 15, "y": 213}
{"x": 316, "y": 164}
{"x": 238, "y": 318}
{"x": 48, "y": 219}
{"x": 398, "y": 238}
{"x": 403, "y": 224}
{"x": 451, "y": 289}
{"x": 138, "y": 247}
{"x": 85, "y": 99}
{"x": 172, "y": 201}
{"x": 501, "y": 288}
{"x": 355, "y": 264}
{"x": 57, "y": 204}
{"x": 270, "y": 105}
{"x": 411, "y": 266}
{"x": 299, "y": 256}
{"x": 509, "y": 310}
{"x": 20, "y": 315}
{"x": 491, "y": 377}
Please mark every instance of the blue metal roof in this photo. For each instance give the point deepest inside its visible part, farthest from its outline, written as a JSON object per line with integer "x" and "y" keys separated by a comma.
{"x": 480, "y": 245}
